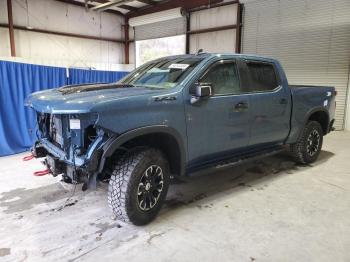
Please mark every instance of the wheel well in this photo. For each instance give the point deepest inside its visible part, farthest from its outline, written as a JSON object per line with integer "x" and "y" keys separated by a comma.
{"x": 322, "y": 118}
{"x": 164, "y": 142}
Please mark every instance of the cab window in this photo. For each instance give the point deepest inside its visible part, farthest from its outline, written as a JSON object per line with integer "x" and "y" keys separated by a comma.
{"x": 223, "y": 77}
{"x": 262, "y": 76}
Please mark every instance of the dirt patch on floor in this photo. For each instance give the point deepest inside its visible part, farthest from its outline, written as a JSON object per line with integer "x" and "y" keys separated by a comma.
{"x": 21, "y": 199}
{"x": 103, "y": 227}
{"x": 5, "y": 252}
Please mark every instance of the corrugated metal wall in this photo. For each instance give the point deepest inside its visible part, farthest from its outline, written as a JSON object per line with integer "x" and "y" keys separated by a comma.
{"x": 60, "y": 50}
{"x": 220, "y": 41}
{"x": 166, "y": 28}
{"x": 310, "y": 37}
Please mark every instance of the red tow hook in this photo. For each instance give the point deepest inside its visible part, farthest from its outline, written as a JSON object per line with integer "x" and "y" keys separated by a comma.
{"x": 42, "y": 173}
{"x": 27, "y": 158}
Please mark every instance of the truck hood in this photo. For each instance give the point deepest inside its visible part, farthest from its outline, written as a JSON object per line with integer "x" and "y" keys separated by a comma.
{"x": 84, "y": 98}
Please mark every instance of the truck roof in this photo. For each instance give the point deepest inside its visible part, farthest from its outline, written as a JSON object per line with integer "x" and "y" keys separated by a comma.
{"x": 210, "y": 55}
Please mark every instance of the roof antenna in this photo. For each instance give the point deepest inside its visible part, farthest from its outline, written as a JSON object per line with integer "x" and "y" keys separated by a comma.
{"x": 199, "y": 51}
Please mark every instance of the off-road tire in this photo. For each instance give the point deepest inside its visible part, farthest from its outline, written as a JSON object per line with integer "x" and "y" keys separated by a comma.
{"x": 299, "y": 149}
{"x": 124, "y": 185}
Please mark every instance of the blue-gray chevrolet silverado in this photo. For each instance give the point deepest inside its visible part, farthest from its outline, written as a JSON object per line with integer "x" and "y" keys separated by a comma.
{"x": 175, "y": 116}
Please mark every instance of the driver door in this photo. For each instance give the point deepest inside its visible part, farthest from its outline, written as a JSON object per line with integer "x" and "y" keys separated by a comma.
{"x": 218, "y": 126}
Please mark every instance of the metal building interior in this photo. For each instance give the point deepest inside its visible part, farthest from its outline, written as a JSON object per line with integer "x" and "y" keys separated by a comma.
{"x": 266, "y": 209}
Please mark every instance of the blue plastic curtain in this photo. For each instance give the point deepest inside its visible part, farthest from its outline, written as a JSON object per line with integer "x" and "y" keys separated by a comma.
{"x": 17, "y": 81}
{"x": 80, "y": 76}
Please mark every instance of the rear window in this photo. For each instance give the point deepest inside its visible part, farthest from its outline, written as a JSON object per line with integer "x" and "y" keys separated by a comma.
{"x": 262, "y": 76}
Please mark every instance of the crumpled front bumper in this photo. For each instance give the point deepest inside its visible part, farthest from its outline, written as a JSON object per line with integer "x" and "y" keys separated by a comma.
{"x": 58, "y": 153}
{"x": 77, "y": 168}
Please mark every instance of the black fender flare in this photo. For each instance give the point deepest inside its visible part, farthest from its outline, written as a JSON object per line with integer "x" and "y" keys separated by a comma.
{"x": 307, "y": 116}
{"x": 314, "y": 110}
{"x": 115, "y": 142}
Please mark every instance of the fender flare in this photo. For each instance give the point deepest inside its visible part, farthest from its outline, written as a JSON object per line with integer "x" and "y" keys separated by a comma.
{"x": 114, "y": 142}
{"x": 298, "y": 126}
{"x": 307, "y": 116}
{"x": 314, "y": 110}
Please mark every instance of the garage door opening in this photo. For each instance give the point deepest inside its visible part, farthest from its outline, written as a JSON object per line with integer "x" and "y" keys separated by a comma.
{"x": 147, "y": 50}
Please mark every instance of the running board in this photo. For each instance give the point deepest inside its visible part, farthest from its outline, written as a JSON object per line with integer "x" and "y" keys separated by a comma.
{"x": 248, "y": 158}
{"x": 238, "y": 160}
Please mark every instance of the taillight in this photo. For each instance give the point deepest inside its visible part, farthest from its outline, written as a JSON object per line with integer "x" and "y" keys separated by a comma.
{"x": 335, "y": 92}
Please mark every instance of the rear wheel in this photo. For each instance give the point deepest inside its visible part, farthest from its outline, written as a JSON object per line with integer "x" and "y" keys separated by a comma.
{"x": 138, "y": 186}
{"x": 309, "y": 145}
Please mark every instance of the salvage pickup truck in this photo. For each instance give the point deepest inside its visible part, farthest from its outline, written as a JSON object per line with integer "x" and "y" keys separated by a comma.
{"x": 175, "y": 116}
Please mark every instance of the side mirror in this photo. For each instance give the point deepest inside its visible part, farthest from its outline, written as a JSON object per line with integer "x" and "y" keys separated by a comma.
{"x": 200, "y": 90}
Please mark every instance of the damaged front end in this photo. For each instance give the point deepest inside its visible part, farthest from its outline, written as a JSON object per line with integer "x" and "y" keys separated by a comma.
{"x": 72, "y": 146}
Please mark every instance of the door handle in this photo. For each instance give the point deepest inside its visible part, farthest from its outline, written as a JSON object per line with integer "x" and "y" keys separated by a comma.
{"x": 241, "y": 106}
{"x": 283, "y": 101}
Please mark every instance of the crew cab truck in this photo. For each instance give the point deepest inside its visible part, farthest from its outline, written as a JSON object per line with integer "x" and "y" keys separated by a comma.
{"x": 172, "y": 117}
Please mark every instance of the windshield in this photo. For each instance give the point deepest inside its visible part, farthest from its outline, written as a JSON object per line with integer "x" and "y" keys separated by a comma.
{"x": 164, "y": 73}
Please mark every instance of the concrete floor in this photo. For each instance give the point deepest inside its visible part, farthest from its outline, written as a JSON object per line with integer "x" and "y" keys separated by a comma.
{"x": 270, "y": 210}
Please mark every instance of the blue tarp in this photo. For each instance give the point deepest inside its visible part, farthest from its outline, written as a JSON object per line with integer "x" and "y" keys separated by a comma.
{"x": 17, "y": 81}
{"x": 80, "y": 76}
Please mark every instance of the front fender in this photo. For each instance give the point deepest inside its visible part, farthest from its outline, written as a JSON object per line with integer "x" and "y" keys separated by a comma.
{"x": 115, "y": 142}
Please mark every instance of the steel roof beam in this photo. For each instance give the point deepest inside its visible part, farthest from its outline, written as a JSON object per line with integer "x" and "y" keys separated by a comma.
{"x": 109, "y": 4}
{"x": 76, "y": 3}
{"x": 169, "y": 4}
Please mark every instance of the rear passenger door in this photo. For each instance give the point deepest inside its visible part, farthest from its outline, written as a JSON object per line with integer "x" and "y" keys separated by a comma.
{"x": 270, "y": 103}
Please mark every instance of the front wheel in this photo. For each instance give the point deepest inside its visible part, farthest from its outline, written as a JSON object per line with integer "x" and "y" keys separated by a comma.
{"x": 309, "y": 145}
{"x": 138, "y": 186}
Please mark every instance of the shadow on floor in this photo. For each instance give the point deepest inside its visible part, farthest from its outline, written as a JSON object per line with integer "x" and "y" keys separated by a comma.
{"x": 183, "y": 191}
{"x": 254, "y": 175}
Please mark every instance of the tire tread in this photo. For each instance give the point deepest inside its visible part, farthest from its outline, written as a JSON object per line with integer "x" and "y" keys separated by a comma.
{"x": 298, "y": 149}
{"x": 121, "y": 182}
